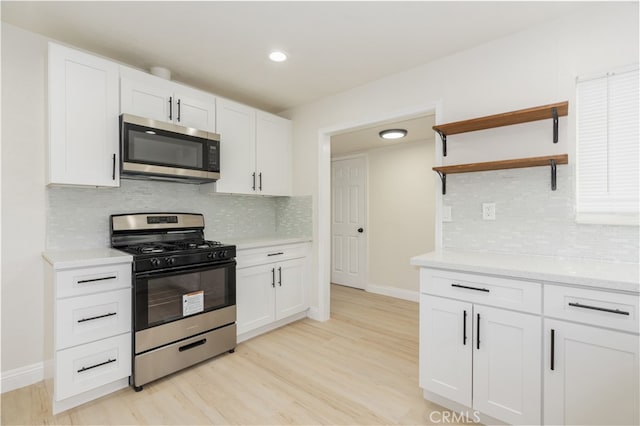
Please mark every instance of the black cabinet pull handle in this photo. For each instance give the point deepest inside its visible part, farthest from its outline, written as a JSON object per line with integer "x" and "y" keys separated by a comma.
{"x": 470, "y": 288}
{"x": 170, "y": 108}
{"x": 113, "y": 169}
{"x": 113, "y": 277}
{"x": 280, "y": 276}
{"x": 192, "y": 345}
{"x": 260, "y": 177}
{"x": 109, "y": 361}
{"x": 597, "y": 308}
{"x": 273, "y": 277}
{"x": 178, "y": 110}
{"x": 253, "y": 187}
{"x": 464, "y": 328}
{"x": 110, "y": 314}
{"x": 478, "y": 338}
{"x": 275, "y": 254}
{"x": 553, "y": 349}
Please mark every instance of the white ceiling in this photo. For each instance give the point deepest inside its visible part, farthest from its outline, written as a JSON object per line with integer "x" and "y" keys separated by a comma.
{"x": 418, "y": 129}
{"x": 333, "y": 46}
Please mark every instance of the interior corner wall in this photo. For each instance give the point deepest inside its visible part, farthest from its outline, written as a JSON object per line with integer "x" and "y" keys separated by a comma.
{"x": 401, "y": 214}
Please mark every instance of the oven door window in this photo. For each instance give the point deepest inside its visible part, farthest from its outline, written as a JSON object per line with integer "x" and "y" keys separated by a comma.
{"x": 161, "y": 297}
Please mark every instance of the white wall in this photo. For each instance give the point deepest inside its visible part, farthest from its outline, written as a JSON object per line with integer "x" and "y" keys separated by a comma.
{"x": 534, "y": 67}
{"x": 401, "y": 215}
{"x": 23, "y": 196}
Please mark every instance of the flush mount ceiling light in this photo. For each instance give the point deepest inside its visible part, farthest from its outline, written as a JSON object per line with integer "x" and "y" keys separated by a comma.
{"x": 393, "y": 133}
{"x": 278, "y": 56}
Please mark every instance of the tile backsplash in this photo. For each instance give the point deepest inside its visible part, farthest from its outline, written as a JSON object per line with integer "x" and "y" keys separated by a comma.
{"x": 530, "y": 217}
{"x": 79, "y": 217}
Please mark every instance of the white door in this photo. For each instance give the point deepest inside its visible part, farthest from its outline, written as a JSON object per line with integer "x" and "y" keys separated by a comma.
{"x": 195, "y": 109}
{"x": 236, "y": 124}
{"x": 348, "y": 233}
{"x": 506, "y": 365}
{"x": 255, "y": 296}
{"x": 83, "y": 119}
{"x": 145, "y": 96}
{"x": 445, "y": 348}
{"x": 273, "y": 148}
{"x": 290, "y": 288}
{"x": 594, "y": 379}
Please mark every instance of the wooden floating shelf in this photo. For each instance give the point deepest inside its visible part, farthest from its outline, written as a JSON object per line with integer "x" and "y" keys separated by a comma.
{"x": 543, "y": 112}
{"x": 549, "y": 160}
{"x": 503, "y": 164}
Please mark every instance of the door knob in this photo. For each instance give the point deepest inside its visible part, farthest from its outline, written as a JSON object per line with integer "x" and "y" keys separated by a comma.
{"x": 360, "y": 230}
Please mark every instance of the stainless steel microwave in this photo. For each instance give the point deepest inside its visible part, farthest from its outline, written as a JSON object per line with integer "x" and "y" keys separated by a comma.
{"x": 152, "y": 149}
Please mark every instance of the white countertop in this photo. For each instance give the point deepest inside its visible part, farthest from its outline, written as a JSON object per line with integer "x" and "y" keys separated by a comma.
{"x": 587, "y": 273}
{"x": 249, "y": 243}
{"x": 68, "y": 259}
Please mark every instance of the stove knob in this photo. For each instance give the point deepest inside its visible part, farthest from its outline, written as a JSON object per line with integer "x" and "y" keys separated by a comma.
{"x": 155, "y": 262}
{"x": 170, "y": 261}
{"x": 211, "y": 255}
{"x": 224, "y": 253}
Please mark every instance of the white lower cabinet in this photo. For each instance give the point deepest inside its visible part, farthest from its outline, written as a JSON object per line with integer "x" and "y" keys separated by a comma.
{"x": 88, "y": 325}
{"x": 487, "y": 345}
{"x": 591, "y": 374}
{"x": 484, "y": 358}
{"x": 269, "y": 291}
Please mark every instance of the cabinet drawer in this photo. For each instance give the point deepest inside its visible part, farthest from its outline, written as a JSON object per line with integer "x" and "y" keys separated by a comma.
{"x": 81, "y": 281}
{"x": 93, "y": 317}
{"x": 89, "y": 366}
{"x": 262, "y": 255}
{"x": 605, "y": 309}
{"x": 501, "y": 292}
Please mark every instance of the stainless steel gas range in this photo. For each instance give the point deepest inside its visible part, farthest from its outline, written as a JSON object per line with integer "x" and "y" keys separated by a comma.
{"x": 184, "y": 292}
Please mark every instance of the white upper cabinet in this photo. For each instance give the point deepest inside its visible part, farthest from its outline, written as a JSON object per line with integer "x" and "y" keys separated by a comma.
{"x": 237, "y": 129}
{"x": 255, "y": 150}
{"x": 273, "y": 147}
{"x": 83, "y": 119}
{"x": 148, "y": 96}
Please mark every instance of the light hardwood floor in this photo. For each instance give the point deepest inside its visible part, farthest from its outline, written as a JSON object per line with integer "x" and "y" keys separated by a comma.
{"x": 360, "y": 367}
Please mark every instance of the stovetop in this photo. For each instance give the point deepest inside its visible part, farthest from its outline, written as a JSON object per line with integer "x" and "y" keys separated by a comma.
{"x": 174, "y": 247}
{"x": 164, "y": 241}
{"x": 156, "y": 256}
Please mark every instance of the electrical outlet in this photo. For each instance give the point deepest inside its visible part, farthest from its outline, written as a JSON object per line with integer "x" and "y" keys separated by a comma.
{"x": 489, "y": 211}
{"x": 446, "y": 213}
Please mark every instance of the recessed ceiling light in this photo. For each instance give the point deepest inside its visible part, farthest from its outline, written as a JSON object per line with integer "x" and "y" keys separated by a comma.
{"x": 278, "y": 56}
{"x": 393, "y": 133}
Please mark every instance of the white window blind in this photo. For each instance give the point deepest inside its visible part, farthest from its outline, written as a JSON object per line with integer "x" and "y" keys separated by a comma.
{"x": 608, "y": 146}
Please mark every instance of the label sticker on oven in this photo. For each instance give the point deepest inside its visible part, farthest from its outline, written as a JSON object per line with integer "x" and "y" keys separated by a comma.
{"x": 192, "y": 303}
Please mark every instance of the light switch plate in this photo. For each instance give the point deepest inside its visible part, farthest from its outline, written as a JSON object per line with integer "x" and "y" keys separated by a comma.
{"x": 446, "y": 213}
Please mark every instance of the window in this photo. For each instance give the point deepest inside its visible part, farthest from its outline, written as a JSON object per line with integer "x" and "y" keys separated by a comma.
{"x": 607, "y": 148}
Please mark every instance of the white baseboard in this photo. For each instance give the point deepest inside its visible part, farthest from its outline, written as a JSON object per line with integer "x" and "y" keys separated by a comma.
{"x": 398, "y": 293}
{"x": 21, "y": 377}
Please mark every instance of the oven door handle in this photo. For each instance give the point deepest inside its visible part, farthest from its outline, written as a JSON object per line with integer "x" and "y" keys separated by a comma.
{"x": 185, "y": 269}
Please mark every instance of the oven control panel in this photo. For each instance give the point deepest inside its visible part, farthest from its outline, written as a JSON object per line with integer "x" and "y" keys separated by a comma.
{"x": 164, "y": 261}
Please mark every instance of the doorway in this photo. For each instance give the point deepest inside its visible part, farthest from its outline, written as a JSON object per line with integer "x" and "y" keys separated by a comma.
{"x": 399, "y": 205}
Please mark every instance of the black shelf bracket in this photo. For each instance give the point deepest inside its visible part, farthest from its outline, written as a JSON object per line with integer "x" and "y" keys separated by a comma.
{"x": 553, "y": 174}
{"x": 444, "y": 143}
{"x": 443, "y": 178}
{"x": 554, "y": 113}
